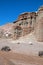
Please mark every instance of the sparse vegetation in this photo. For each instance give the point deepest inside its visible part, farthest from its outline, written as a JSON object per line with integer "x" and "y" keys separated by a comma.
{"x": 40, "y": 53}
{"x": 6, "y": 48}
{"x": 18, "y": 43}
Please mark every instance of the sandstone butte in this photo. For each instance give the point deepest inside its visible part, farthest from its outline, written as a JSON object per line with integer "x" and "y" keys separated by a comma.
{"x": 25, "y": 24}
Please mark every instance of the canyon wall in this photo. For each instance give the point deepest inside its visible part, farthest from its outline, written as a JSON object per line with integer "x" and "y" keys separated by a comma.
{"x": 26, "y": 22}
{"x": 39, "y": 25}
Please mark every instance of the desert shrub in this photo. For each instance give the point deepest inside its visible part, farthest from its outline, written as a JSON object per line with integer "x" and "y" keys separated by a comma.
{"x": 6, "y": 48}
{"x": 40, "y": 53}
{"x": 18, "y": 43}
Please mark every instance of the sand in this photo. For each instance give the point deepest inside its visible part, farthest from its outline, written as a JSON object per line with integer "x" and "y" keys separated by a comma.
{"x": 11, "y": 58}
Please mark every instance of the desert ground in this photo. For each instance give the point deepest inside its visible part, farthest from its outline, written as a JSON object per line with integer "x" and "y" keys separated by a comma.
{"x": 23, "y": 51}
{"x": 11, "y": 58}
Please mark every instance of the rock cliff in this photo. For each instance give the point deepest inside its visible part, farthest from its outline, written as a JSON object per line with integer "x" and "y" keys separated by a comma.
{"x": 25, "y": 24}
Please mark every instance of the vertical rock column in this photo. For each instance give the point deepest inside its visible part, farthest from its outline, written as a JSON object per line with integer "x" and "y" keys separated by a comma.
{"x": 33, "y": 18}
{"x": 39, "y": 25}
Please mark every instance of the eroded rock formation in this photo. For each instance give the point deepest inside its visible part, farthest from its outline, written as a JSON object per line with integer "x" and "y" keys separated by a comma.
{"x": 39, "y": 25}
{"x": 25, "y": 24}
{"x": 26, "y": 21}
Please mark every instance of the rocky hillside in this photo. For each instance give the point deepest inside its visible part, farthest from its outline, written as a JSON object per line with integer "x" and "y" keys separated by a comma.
{"x": 6, "y": 31}
{"x": 25, "y": 24}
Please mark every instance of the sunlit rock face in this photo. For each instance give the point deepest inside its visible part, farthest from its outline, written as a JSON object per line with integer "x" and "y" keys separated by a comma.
{"x": 39, "y": 25}
{"x": 27, "y": 19}
{"x": 27, "y": 22}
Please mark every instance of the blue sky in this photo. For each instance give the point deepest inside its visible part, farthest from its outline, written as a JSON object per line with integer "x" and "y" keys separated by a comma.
{"x": 11, "y": 9}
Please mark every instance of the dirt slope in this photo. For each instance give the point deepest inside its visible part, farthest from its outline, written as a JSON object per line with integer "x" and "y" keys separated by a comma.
{"x": 11, "y": 58}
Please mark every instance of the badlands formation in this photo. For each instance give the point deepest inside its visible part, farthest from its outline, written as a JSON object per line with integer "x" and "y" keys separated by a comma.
{"x": 25, "y": 24}
{"x": 25, "y": 39}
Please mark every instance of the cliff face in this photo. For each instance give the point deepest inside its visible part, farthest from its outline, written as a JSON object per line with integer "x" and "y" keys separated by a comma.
{"x": 39, "y": 25}
{"x": 25, "y": 24}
